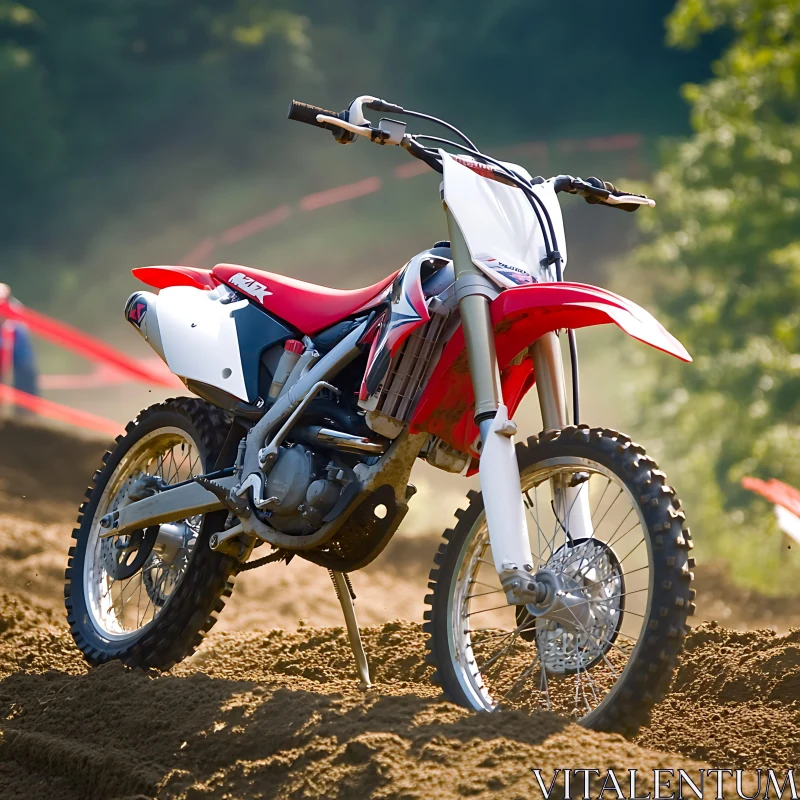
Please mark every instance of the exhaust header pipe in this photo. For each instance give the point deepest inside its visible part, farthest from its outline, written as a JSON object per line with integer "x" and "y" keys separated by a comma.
{"x": 345, "y": 441}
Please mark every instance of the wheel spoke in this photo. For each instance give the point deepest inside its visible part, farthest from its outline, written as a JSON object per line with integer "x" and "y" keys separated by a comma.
{"x": 484, "y": 610}
{"x": 600, "y": 501}
{"x": 485, "y": 594}
{"x": 581, "y": 652}
{"x": 122, "y": 607}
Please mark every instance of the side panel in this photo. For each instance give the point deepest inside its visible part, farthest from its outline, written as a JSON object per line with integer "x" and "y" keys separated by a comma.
{"x": 215, "y": 343}
{"x": 256, "y": 330}
{"x": 520, "y": 316}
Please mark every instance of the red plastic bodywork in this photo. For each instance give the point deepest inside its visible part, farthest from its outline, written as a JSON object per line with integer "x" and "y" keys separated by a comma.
{"x": 162, "y": 277}
{"x": 306, "y": 306}
{"x": 777, "y": 492}
{"x": 519, "y": 317}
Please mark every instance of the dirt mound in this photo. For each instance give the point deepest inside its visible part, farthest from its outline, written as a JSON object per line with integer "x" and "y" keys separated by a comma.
{"x": 273, "y": 714}
{"x": 269, "y": 706}
{"x": 34, "y": 640}
{"x": 735, "y": 700}
{"x": 277, "y": 714}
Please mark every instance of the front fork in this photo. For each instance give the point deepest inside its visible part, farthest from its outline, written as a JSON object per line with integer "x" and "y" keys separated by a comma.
{"x": 499, "y": 471}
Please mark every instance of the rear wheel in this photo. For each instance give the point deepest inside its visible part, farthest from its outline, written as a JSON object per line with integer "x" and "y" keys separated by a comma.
{"x": 607, "y": 658}
{"x": 148, "y": 599}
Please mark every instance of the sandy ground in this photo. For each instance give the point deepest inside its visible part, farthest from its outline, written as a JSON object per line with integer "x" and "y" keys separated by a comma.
{"x": 269, "y": 707}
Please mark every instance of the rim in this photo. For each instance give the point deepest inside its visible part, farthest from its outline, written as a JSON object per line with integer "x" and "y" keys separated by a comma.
{"x": 569, "y": 663}
{"x": 120, "y": 609}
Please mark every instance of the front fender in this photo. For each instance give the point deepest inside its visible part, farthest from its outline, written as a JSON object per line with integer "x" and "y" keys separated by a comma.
{"x": 519, "y": 317}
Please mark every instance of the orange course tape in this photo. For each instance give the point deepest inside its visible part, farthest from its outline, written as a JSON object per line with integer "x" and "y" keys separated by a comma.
{"x": 51, "y": 410}
{"x": 81, "y": 343}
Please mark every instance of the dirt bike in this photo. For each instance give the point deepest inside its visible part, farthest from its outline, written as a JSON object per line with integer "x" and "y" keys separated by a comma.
{"x": 565, "y": 584}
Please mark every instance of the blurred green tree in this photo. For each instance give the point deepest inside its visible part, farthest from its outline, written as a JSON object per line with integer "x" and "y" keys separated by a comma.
{"x": 723, "y": 265}
{"x": 90, "y": 83}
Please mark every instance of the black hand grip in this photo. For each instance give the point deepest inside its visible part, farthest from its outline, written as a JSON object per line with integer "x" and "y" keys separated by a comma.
{"x": 602, "y": 187}
{"x": 303, "y": 112}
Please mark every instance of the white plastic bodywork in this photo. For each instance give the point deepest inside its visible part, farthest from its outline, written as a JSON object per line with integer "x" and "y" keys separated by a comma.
{"x": 502, "y": 498}
{"x": 199, "y": 338}
{"x": 788, "y": 522}
{"x": 499, "y": 225}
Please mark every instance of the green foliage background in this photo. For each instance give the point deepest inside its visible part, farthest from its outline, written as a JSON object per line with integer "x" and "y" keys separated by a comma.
{"x": 723, "y": 267}
{"x": 132, "y": 129}
{"x": 126, "y": 114}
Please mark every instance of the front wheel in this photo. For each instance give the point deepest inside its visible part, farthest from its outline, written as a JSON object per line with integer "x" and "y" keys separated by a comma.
{"x": 608, "y": 658}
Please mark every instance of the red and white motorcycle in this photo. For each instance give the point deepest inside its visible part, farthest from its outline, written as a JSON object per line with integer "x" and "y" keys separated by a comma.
{"x": 565, "y": 584}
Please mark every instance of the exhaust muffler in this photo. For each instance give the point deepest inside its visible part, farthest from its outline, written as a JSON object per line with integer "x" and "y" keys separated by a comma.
{"x": 140, "y": 311}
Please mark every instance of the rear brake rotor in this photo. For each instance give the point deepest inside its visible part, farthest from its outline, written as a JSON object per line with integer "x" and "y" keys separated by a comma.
{"x": 124, "y": 556}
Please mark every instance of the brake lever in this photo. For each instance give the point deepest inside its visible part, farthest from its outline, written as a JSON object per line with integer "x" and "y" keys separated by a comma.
{"x": 622, "y": 200}
{"x": 602, "y": 195}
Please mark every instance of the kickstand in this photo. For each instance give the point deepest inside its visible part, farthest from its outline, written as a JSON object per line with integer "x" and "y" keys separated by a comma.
{"x": 344, "y": 591}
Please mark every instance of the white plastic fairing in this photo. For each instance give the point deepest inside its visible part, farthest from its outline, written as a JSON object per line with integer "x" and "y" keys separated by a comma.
{"x": 499, "y": 225}
{"x": 788, "y": 522}
{"x": 198, "y": 335}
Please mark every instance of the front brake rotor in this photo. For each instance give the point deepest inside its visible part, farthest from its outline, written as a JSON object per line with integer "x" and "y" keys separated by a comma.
{"x": 562, "y": 656}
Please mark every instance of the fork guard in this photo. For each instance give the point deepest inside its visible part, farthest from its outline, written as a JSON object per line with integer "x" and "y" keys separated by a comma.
{"x": 519, "y": 317}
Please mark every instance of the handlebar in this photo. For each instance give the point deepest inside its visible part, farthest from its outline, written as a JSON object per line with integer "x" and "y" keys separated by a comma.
{"x": 303, "y": 112}
{"x": 348, "y": 124}
{"x": 595, "y": 191}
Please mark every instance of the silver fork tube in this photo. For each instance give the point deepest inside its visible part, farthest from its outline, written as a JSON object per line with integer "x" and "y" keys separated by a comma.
{"x": 571, "y": 502}
{"x": 478, "y": 334}
{"x": 550, "y": 382}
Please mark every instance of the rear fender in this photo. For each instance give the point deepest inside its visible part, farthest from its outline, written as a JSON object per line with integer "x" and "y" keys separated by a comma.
{"x": 519, "y": 317}
{"x": 164, "y": 277}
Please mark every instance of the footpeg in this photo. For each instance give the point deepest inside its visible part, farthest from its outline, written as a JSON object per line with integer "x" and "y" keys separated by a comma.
{"x": 233, "y": 504}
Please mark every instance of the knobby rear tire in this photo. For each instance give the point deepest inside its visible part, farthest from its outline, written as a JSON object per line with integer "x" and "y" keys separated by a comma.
{"x": 647, "y": 680}
{"x": 202, "y": 591}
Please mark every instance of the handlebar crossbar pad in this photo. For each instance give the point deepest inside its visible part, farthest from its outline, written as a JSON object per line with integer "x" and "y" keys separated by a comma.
{"x": 303, "y": 112}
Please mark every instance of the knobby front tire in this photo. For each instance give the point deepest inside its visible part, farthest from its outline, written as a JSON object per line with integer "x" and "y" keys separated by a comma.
{"x": 608, "y": 668}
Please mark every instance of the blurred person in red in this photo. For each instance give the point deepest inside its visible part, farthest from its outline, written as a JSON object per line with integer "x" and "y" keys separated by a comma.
{"x": 17, "y": 359}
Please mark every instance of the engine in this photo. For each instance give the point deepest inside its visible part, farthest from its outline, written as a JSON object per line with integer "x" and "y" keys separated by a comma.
{"x": 303, "y": 487}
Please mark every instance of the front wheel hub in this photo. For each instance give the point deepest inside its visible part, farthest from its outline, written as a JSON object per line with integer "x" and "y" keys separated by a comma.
{"x": 563, "y": 601}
